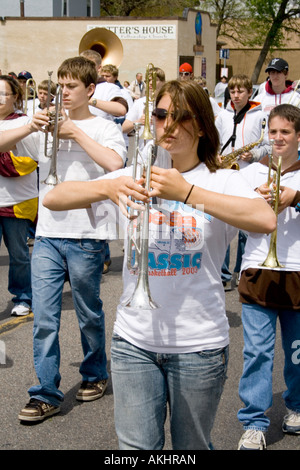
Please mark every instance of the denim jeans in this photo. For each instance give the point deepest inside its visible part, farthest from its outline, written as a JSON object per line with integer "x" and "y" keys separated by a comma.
{"x": 255, "y": 387}
{"x": 144, "y": 382}
{"x": 83, "y": 260}
{"x": 14, "y": 232}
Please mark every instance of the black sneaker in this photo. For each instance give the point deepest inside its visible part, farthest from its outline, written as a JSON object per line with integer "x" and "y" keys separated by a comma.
{"x": 37, "y": 410}
{"x": 90, "y": 391}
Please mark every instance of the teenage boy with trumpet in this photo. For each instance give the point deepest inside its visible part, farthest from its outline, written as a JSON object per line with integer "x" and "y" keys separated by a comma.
{"x": 67, "y": 243}
{"x": 269, "y": 293}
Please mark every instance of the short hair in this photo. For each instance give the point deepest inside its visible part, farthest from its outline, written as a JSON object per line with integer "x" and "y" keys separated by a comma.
{"x": 160, "y": 74}
{"x": 188, "y": 95}
{"x": 43, "y": 85}
{"x": 94, "y": 56}
{"x": 240, "y": 81}
{"x": 112, "y": 69}
{"x": 79, "y": 68}
{"x": 289, "y": 112}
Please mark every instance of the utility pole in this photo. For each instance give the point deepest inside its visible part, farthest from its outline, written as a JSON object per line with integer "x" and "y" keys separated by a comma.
{"x": 22, "y": 9}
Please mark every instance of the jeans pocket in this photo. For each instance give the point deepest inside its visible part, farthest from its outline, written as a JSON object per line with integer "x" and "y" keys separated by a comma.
{"x": 92, "y": 246}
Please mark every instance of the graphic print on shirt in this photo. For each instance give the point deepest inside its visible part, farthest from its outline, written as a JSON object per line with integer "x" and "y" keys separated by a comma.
{"x": 176, "y": 237}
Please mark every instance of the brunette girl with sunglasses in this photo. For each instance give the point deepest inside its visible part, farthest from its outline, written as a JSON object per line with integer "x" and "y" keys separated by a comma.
{"x": 176, "y": 354}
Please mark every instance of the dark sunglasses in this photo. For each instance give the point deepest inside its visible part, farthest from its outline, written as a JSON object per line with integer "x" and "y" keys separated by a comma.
{"x": 186, "y": 74}
{"x": 160, "y": 114}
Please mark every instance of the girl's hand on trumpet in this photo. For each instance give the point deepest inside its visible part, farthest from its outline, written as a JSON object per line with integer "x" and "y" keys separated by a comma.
{"x": 124, "y": 192}
{"x": 168, "y": 184}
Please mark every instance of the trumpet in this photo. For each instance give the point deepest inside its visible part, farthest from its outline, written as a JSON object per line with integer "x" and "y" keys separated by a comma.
{"x": 30, "y": 93}
{"x": 230, "y": 160}
{"x": 55, "y": 116}
{"x": 141, "y": 297}
{"x": 150, "y": 97}
{"x": 271, "y": 260}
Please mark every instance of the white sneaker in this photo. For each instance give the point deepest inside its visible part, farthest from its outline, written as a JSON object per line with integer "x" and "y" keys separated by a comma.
{"x": 291, "y": 422}
{"x": 252, "y": 439}
{"x": 20, "y": 310}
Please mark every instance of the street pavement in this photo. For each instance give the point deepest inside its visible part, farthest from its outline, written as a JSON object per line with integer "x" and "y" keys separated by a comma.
{"x": 90, "y": 426}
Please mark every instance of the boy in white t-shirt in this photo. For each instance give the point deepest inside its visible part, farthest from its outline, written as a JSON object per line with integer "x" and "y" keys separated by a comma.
{"x": 68, "y": 244}
{"x": 270, "y": 292}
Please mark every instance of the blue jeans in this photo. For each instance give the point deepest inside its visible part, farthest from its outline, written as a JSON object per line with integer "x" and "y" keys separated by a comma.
{"x": 225, "y": 273}
{"x": 14, "y": 232}
{"x": 144, "y": 382}
{"x": 255, "y": 387}
{"x": 51, "y": 259}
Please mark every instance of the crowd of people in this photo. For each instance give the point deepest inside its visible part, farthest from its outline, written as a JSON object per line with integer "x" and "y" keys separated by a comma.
{"x": 179, "y": 358}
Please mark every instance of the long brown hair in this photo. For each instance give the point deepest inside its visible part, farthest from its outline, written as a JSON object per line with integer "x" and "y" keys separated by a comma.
{"x": 187, "y": 95}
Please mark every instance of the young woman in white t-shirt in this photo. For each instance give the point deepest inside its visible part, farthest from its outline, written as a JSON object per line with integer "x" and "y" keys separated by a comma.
{"x": 175, "y": 354}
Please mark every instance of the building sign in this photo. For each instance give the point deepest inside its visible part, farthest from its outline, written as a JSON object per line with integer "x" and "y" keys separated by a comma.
{"x": 134, "y": 31}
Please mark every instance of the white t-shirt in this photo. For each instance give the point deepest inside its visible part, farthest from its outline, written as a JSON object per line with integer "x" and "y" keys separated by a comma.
{"x": 105, "y": 91}
{"x": 14, "y": 190}
{"x": 186, "y": 251}
{"x": 73, "y": 163}
{"x": 288, "y": 227}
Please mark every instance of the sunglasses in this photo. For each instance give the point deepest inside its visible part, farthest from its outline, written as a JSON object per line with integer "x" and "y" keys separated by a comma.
{"x": 184, "y": 74}
{"x": 161, "y": 114}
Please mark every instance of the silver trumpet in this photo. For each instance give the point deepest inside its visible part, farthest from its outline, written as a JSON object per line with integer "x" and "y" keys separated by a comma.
{"x": 55, "y": 116}
{"x": 138, "y": 240}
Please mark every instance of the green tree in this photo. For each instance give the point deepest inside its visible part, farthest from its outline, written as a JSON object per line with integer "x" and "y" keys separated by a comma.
{"x": 263, "y": 23}
{"x": 145, "y": 7}
{"x": 272, "y": 20}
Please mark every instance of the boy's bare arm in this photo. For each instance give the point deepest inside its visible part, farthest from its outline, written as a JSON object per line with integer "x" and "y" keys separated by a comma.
{"x": 107, "y": 158}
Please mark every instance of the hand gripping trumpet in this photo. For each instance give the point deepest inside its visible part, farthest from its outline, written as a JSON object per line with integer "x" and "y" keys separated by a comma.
{"x": 271, "y": 260}
{"x": 55, "y": 116}
{"x": 229, "y": 161}
{"x": 138, "y": 241}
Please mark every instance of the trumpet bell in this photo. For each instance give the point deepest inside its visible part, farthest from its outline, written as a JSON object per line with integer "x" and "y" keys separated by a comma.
{"x": 106, "y": 43}
{"x": 141, "y": 299}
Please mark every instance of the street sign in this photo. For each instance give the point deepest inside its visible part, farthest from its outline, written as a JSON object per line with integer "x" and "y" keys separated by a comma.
{"x": 224, "y": 53}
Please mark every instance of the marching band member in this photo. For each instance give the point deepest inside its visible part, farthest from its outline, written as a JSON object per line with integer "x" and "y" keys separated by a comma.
{"x": 268, "y": 294}
{"x": 67, "y": 244}
{"x": 176, "y": 353}
{"x": 18, "y": 191}
{"x": 238, "y": 125}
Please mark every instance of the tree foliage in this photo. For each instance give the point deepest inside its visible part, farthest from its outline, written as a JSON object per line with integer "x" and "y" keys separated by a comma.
{"x": 145, "y": 7}
{"x": 265, "y": 24}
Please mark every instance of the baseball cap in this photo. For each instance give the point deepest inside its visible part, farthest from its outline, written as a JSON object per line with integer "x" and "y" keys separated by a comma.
{"x": 277, "y": 64}
{"x": 186, "y": 68}
{"x": 25, "y": 75}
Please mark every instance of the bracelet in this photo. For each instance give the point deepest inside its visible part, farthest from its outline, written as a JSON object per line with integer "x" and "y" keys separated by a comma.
{"x": 192, "y": 187}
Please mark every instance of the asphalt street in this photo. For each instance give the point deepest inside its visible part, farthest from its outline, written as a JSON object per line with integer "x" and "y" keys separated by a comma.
{"x": 90, "y": 426}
